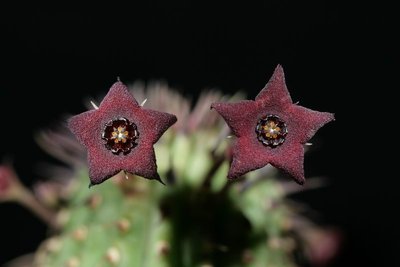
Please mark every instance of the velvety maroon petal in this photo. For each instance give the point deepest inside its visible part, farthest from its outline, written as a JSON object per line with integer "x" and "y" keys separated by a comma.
{"x": 239, "y": 116}
{"x": 306, "y": 122}
{"x": 291, "y": 160}
{"x": 157, "y": 123}
{"x": 243, "y": 149}
{"x": 81, "y": 126}
{"x": 145, "y": 165}
{"x": 101, "y": 166}
{"x": 141, "y": 161}
{"x": 275, "y": 92}
{"x": 118, "y": 95}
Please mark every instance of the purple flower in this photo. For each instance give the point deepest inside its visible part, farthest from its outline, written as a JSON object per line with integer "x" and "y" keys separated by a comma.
{"x": 271, "y": 129}
{"x": 120, "y": 135}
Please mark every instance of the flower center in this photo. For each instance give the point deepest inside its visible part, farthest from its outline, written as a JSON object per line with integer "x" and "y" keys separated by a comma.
{"x": 120, "y": 135}
{"x": 271, "y": 130}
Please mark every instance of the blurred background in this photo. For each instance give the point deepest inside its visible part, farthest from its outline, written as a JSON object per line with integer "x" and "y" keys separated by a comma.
{"x": 337, "y": 58}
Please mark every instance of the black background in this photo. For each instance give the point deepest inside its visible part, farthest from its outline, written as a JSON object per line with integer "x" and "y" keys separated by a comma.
{"x": 337, "y": 58}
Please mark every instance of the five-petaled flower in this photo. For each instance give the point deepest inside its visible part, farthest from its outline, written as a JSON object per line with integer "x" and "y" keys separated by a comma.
{"x": 120, "y": 135}
{"x": 271, "y": 129}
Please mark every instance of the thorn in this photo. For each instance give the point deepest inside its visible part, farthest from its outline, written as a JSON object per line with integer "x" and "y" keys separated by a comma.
{"x": 94, "y": 105}
{"x": 90, "y": 185}
{"x": 296, "y": 103}
{"x": 144, "y": 101}
{"x": 118, "y": 79}
{"x": 126, "y": 175}
{"x": 308, "y": 144}
{"x": 229, "y": 136}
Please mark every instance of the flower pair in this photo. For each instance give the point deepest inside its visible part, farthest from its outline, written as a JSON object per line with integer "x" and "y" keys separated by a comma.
{"x": 120, "y": 134}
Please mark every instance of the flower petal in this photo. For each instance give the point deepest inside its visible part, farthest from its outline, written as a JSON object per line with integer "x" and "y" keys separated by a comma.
{"x": 244, "y": 149}
{"x": 275, "y": 91}
{"x": 240, "y": 117}
{"x": 118, "y": 95}
{"x": 81, "y": 126}
{"x": 306, "y": 122}
{"x": 156, "y": 124}
{"x": 291, "y": 160}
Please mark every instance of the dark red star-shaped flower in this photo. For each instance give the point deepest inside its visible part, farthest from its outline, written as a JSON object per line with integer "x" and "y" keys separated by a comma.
{"x": 120, "y": 135}
{"x": 271, "y": 129}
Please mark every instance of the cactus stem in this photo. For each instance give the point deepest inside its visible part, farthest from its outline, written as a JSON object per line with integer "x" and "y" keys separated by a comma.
{"x": 73, "y": 262}
{"x": 162, "y": 248}
{"x": 216, "y": 164}
{"x": 113, "y": 255}
{"x": 80, "y": 234}
{"x": 123, "y": 225}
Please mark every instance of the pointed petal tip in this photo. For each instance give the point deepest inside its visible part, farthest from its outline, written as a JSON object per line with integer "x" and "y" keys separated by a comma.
{"x": 214, "y": 105}
{"x": 275, "y": 90}
{"x": 301, "y": 181}
{"x": 217, "y": 106}
{"x": 158, "y": 178}
{"x": 328, "y": 117}
{"x": 94, "y": 182}
{"x": 278, "y": 72}
{"x": 279, "y": 68}
{"x": 297, "y": 177}
{"x": 118, "y": 92}
{"x": 118, "y": 88}
{"x": 174, "y": 119}
{"x": 118, "y": 85}
{"x": 332, "y": 116}
{"x": 233, "y": 175}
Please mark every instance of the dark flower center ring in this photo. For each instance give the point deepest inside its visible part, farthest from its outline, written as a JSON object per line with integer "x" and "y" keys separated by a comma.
{"x": 120, "y": 135}
{"x": 271, "y": 131}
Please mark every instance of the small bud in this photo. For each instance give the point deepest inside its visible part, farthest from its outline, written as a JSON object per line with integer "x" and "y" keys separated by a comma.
{"x": 94, "y": 201}
{"x": 80, "y": 234}
{"x": 322, "y": 245}
{"x": 63, "y": 217}
{"x": 53, "y": 245}
{"x": 275, "y": 242}
{"x": 113, "y": 255}
{"x": 162, "y": 248}
{"x": 123, "y": 225}
{"x": 287, "y": 224}
{"x": 73, "y": 262}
